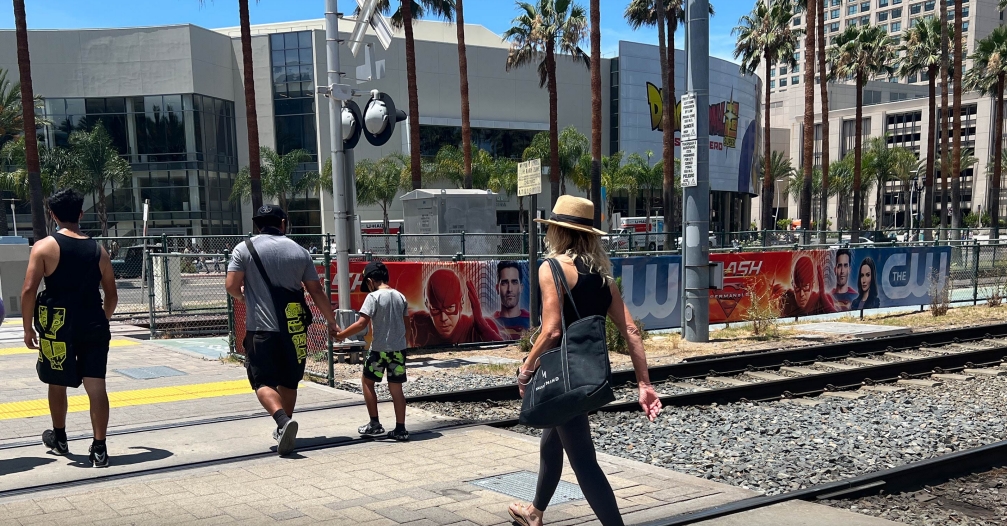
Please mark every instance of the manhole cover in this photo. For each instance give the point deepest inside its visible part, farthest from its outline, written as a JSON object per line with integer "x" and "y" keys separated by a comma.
{"x": 149, "y": 373}
{"x": 521, "y": 485}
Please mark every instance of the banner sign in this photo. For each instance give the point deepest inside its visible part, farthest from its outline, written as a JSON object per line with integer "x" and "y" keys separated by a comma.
{"x": 486, "y": 301}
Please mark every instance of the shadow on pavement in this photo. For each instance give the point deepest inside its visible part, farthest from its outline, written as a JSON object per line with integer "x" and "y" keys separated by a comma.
{"x": 20, "y": 465}
{"x": 150, "y": 454}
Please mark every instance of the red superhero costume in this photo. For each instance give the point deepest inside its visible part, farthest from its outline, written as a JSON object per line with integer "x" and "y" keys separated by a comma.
{"x": 804, "y": 277}
{"x": 443, "y": 323}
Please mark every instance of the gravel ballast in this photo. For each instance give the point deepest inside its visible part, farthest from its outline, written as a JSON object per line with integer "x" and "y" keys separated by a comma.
{"x": 775, "y": 447}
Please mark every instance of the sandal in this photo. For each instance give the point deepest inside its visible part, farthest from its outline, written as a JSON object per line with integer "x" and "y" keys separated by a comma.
{"x": 519, "y": 513}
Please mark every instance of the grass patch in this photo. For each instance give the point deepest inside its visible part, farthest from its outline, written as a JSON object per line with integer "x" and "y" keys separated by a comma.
{"x": 492, "y": 369}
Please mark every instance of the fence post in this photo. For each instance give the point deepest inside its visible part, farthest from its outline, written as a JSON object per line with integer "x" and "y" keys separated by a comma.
{"x": 975, "y": 272}
{"x": 150, "y": 289}
{"x": 328, "y": 296}
{"x": 398, "y": 239}
{"x": 524, "y": 242}
{"x": 230, "y": 324}
{"x": 463, "y": 242}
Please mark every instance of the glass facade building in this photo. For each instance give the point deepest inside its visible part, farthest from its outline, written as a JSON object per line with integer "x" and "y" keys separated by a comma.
{"x": 183, "y": 151}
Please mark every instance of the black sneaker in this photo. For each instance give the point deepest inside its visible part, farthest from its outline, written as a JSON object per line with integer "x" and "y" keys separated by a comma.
{"x": 372, "y": 429}
{"x": 98, "y": 456}
{"x": 285, "y": 438}
{"x": 401, "y": 436}
{"x": 57, "y": 448}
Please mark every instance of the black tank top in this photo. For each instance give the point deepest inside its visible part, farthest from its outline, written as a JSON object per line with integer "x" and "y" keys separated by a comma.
{"x": 78, "y": 275}
{"x": 591, "y": 295}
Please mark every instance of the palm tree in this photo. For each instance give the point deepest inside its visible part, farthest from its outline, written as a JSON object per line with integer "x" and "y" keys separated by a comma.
{"x": 840, "y": 185}
{"x": 536, "y": 34}
{"x": 810, "y": 9}
{"x": 57, "y": 166}
{"x": 765, "y": 36}
{"x": 28, "y": 115}
{"x": 988, "y": 75}
{"x": 407, "y": 13}
{"x": 907, "y": 169}
{"x": 823, "y": 85}
{"x": 251, "y": 115}
{"x": 861, "y": 53}
{"x": 595, "y": 6}
{"x": 965, "y": 160}
{"x": 921, "y": 49}
{"x": 885, "y": 163}
{"x": 646, "y": 177}
{"x": 463, "y": 74}
{"x": 11, "y": 124}
{"x": 378, "y": 182}
{"x": 280, "y": 177}
{"x": 505, "y": 182}
{"x": 956, "y": 169}
{"x": 945, "y": 68}
{"x": 615, "y": 178}
{"x": 669, "y": 13}
{"x": 98, "y": 166}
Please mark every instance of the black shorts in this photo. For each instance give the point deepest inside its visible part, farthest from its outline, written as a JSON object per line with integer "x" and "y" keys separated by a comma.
{"x": 92, "y": 356}
{"x": 390, "y": 364}
{"x": 271, "y": 361}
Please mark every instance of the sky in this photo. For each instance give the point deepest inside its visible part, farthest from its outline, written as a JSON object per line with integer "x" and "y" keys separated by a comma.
{"x": 74, "y": 14}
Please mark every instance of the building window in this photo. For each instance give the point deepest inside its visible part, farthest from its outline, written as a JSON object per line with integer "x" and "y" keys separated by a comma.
{"x": 772, "y": 84}
{"x": 783, "y": 70}
{"x": 865, "y": 7}
{"x": 965, "y": 25}
{"x": 783, "y": 83}
{"x": 896, "y": 27}
{"x": 882, "y": 3}
{"x": 497, "y": 142}
{"x": 865, "y": 20}
{"x": 797, "y": 20}
{"x": 882, "y": 16}
{"x": 965, "y": 12}
{"x": 915, "y": 9}
{"x": 293, "y": 92}
{"x": 834, "y": 28}
{"x": 851, "y": 9}
{"x": 795, "y": 80}
{"x": 772, "y": 72}
{"x": 897, "y": 12}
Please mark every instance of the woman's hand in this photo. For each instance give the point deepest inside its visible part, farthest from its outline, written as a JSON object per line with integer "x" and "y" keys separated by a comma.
{"x": 649, "y": 401}
{"x": 524, "y": 377}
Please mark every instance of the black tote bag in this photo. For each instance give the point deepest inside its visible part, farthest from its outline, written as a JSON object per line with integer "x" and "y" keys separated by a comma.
{"x": 574, "y": 378}
{"x": 54, "y": 323}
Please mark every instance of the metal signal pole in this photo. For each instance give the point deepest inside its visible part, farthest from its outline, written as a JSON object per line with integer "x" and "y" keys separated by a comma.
{"x": 339, "y": 196}
{"x": 696, "y": 190}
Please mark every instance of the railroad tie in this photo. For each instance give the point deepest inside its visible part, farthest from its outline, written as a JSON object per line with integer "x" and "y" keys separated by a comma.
{"x": 920, "y": 383}
{"x": 867, "y": 361}
{"x": 691, "y": 387}
{"x": 902, "y": 355}
{"x": 847, "y": 395}
{"x": 726, "y": 380}
{"x": 883, "y": 388}
{"x": 953, "y": 377}
{"x": 986, "y": 372}
{"x": 971, "y": 346}
{"x": 765, "y": 375}
{"x": 801, "y": 370}
{"x": 836, "y": 366}
{"x": 939, "y": 350}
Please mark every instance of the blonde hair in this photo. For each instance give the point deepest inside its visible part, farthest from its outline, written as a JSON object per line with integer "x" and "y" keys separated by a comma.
{"x": 576, "y": 244}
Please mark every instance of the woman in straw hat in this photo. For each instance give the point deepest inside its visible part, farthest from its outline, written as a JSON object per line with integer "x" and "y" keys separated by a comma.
{"x": 573, "y": 241}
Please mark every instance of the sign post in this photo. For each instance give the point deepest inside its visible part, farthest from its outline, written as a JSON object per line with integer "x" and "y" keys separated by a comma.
{"x": 529, "y": 183}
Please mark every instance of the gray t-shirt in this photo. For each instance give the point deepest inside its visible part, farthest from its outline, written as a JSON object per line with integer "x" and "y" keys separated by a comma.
{"x": 287, "y": 265}
{"x": 386, "y": 308}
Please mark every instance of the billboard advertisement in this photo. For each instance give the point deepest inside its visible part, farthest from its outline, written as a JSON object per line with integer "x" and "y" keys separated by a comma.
{"x": 487, "y": 301}
{"x": 733, "y": 112}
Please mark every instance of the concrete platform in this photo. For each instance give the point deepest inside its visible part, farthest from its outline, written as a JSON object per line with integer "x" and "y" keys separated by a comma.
{"x": 858, "y": 330}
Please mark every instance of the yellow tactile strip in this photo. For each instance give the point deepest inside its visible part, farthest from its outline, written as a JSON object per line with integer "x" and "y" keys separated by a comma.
{"x": 25, "y": 350}
{"x": 156, "y": 395}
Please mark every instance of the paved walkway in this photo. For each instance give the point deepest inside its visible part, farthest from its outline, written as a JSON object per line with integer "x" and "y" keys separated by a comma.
{"x": 202, "y": 432}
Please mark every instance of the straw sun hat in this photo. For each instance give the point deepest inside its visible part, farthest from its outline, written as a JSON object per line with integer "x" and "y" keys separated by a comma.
{"x": 575, "y": 213}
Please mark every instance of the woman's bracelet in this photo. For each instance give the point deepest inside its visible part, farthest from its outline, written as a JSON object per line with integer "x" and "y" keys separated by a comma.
{"x": 524, "y": 377}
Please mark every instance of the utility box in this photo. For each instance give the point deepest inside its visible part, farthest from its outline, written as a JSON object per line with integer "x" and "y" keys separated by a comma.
{"x": 13, "y": 267}
{"x": 430, "y": 215}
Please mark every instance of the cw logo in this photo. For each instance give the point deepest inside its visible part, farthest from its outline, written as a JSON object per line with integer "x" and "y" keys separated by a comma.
{"x": 917, "y": 283}
{"x": 649, "y": 305}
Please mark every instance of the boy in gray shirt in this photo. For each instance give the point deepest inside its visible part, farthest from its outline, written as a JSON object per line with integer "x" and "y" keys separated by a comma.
{"x": 386, "y": 310}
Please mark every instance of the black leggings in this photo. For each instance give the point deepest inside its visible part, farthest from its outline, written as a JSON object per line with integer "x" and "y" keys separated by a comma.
{"x": 574, "y": 437}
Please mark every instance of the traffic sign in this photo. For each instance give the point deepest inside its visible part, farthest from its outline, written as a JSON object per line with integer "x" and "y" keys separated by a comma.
{"x": 529, "y": 177}
{"x": 689, "y": 163}
{"x": 689, "y": 117}
{"x": 370, "y": 15}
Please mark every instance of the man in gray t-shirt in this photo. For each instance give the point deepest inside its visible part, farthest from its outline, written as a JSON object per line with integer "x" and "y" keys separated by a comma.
{"x": 275, "y": 323}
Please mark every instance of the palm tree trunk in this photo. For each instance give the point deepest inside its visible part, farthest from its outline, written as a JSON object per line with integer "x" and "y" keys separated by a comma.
{"x": 463, "y": 72}
{"x": 767, "y": 174}
{"x": 254, "y": 162}
{"x": 945, "y": 166}
{"x": 824, "y": 89}
{"x": 3, "y": 219}
{"x": 994, "y": 203}
{"x": 28, "y": 115}
{"x": 672, "y": 23}
{"x": 956, "y": 154}
{"x": 414, "y": 100}
{"x": 520, "y": 214}
{"x": 550, "y": 67}
{"x": 879, "y": 203}
{"x": 596, "y": 110}
{"x": 668, "y": 133}
{"x": 928, "y": 200}
{"x": 102, "y": 211}
{"x": 809, "y": 116}
{"x": 384, "y": 217}
{"x": 858, "y": 143}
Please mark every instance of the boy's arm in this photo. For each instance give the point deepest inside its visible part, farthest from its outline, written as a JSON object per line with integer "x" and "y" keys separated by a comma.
{"x": 356, "y": 327}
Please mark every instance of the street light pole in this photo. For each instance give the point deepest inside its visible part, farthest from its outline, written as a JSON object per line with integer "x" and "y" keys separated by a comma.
{"x": 696, "y": 196}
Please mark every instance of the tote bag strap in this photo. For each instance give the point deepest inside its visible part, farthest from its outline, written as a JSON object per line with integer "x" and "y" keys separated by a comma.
{"x": 258, "y": 263}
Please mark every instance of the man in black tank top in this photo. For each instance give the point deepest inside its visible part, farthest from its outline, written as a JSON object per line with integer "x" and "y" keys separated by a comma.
{"x": 73, "y": 267}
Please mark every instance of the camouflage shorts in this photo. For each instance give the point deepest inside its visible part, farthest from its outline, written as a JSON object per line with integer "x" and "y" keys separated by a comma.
{"x": 392, "y": 363}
